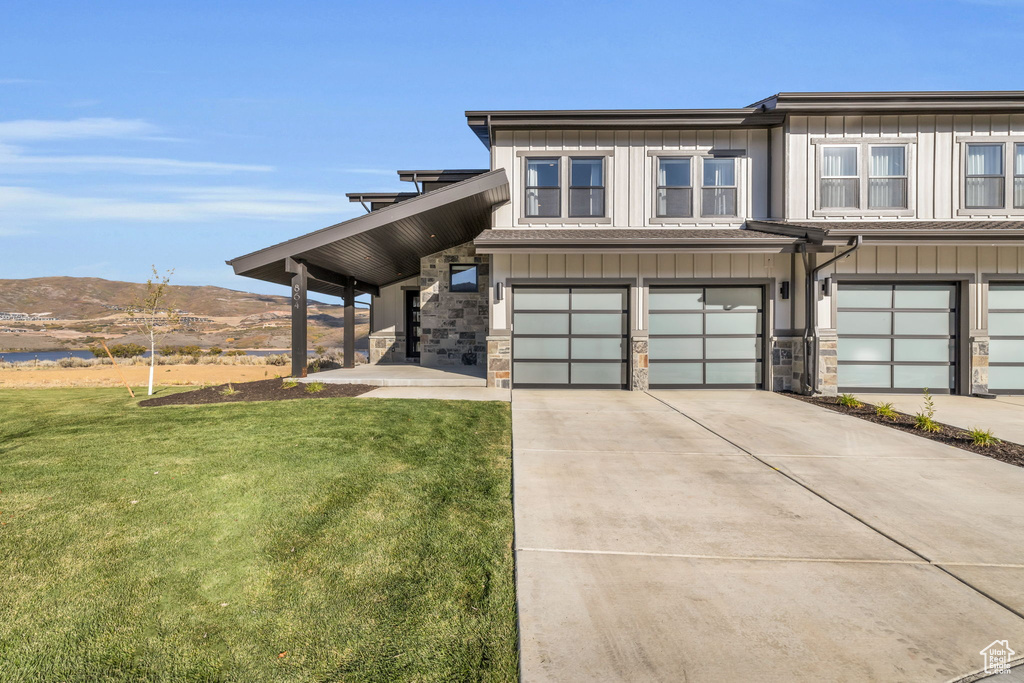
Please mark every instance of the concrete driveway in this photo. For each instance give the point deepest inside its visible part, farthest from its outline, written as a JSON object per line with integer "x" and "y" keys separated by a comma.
{"x": 728, "y": 536}
{"x": 1004, "y": 415}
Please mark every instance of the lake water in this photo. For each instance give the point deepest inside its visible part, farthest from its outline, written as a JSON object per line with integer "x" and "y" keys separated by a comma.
{"x": 21, "y": 356}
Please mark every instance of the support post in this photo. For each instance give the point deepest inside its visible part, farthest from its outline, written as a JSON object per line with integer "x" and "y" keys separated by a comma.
{"x": 350, "y": 323}
{"x": 299, "y": 345}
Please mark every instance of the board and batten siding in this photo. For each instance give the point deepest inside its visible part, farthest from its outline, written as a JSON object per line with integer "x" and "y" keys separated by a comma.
{"x": 629, "y": 174}
{"x": 581, "y": 268}
{"x": 928, "y": 260}
{"x": 935, "y": 173}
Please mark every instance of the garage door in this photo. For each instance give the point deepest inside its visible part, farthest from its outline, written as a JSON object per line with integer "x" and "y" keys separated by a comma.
{"x": 569, "y": 337}
{"x": 706, "y": 337}
{"x": 1006, "y": 338}
{"x": 897, "y": 337}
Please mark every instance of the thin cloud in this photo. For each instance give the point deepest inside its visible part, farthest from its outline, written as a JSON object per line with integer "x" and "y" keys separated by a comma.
{"x": 35, "y": 129}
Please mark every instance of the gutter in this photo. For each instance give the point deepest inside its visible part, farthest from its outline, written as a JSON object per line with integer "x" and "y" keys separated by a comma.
{"x": 811, "y": 313}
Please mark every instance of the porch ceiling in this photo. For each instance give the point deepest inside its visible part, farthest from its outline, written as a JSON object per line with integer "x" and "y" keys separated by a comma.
{"x": 386, "y": 245}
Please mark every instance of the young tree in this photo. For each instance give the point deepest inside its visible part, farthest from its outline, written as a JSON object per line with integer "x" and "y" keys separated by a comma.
{"x": 153, "y": 315}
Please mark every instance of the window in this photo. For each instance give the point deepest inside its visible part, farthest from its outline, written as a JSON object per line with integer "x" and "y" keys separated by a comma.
{"x": 984, "y": 187}
{"x": 543, "y": 193}
{"x": 586, "y": 187}
{"x": 675, "y": 188}
{"x": 840, "y": 184}
{"x": 887, "y": 178}
{"x": 1018, "y": 176}
{"x": 464, "y": 278}
{"x": 718, "y": 195}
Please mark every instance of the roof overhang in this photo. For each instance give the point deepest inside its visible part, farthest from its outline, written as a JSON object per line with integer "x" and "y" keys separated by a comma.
{"x": 978, "y": 233}
{"x": 909, "y": 101}
{"x": 386, "y": 245}
{"x": 485, "y": 123}
{"x": 631, "y": 241}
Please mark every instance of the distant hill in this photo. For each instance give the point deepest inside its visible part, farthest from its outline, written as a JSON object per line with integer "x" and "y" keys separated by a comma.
{"x": 80, "y": 298}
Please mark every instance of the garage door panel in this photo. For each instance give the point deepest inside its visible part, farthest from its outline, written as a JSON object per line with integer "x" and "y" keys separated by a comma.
{"x": 897, "y": 336}
{"x": 598, "y": 323}
{"x": 1006, "y": 337}
{"x": 541, "y": 373}
{"x": 598, "y": 348}
{"x": 541, "y": 323}
{"x": 543, "y": 348}
{"x": 717, "y": 329}
{"x": 598, "y": 300}
{"x": 598, "y": 373}
{"x": 542, "y": 299}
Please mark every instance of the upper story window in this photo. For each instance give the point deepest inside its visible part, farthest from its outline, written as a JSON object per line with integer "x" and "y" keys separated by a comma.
{"x": 546, "y": 176}
{"x": 863, "y": 177}
{"x": 543, "y": 189}
{"x": 985, "y": 182}
{"x": 1018, "y": 176}
{"x": 586, "y": 187}
{"x": 675, "y": 188}
{"x": 718, "y": 197}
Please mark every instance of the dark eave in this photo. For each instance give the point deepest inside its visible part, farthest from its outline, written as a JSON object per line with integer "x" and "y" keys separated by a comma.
{"x": 380, "y": 197}
{"x": 899, "y": 102}
{"x": 484, "y": 123}
{"x": 615, "y": 240}
{"x": 448, "y": 175}
{"x": 984, "y": 232}
{"x": 386, "y": 245}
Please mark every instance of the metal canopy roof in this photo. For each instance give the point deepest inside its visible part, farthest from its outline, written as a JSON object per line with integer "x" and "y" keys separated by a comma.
{"x": 880, "y": 231}
{"x": 616, "y": 240}
{"x": 386, "y": 245}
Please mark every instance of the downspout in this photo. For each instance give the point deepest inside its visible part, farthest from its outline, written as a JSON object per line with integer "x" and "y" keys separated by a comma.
{"x": 811, "y": 319}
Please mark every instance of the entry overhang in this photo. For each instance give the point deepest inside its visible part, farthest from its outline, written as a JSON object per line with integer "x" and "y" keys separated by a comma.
{"x": 613, "y": 240}
{"x": 384, "y": 246}
{"x": 915, "y": 232}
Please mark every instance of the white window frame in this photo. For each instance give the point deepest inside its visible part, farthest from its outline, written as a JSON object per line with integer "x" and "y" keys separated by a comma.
{"x": 1009, "y": 143}
{"x": 565, "y": 158}
{"x": 864, "y": 146}
{"x": 697, "y": 157}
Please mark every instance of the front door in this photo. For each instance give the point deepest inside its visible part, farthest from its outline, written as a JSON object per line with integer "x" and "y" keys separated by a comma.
{"x": 412, "y": 325}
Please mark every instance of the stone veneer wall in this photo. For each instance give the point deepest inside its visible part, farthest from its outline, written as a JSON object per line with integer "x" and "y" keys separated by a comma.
{"x": 979, "y": 364}
{"x": 453, "y": 325}
{"x": 639, "y": 366}
{"x": 499, "y": 362}
{"x": 783, "y": 377}
{"x": 387, "y": 348}
{"x": 828, "y": 364}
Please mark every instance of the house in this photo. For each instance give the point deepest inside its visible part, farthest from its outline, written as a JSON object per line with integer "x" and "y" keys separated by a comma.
{"x": 814, "y": 242}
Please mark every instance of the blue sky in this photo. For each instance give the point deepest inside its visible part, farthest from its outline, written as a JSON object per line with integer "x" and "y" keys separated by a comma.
{"x": 187, "y": 133}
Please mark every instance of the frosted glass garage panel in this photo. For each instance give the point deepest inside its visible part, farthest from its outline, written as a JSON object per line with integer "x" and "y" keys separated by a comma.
{"x": 676, "y": 373}
{"x": 925, "y": 296}
{"x": 681, "y": 349}
{"x": 1007, "y": 378}
{"x": 1006, "y": 296}
{"x": 598, "y": 323}
{"x": 540, "y": 373}
{"x": 675, "y": 299}
{"x": 675, "y": 323}
{"x": 734, "y": 348}
{"x": 598, "y": 348}
{"x": 924, "y": 350}
{"x": 733, "y": 323}
{"x": 733, "y": 373}
{"x": 599, "y": 299}
{"x": 733, "y": 298}
{"x": 599, "y": 373}
{"x": 922, "y": 376}
{"x": 1006, "y": 351}
{"x": 1006, "y": 324}
{"x": 542, "y": 348}
{"x": 923, "y": 323}
{"x": 541, "y": 299}
{"x": 540, "y": 323}
{"x": 864, "y": 376}
{"x": 869, "y": 322}
{"x": 851, "y": 348}
{"x": 863, "y": 296}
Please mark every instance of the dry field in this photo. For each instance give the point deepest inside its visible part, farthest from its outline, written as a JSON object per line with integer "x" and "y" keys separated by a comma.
{"x": 137, "y": 375}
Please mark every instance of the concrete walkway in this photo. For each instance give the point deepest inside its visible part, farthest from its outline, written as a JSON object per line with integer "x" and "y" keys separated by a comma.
{"x": 723, "y": 536}
{"x": 1003, "y": 415}
{"x": 404, "y": 375}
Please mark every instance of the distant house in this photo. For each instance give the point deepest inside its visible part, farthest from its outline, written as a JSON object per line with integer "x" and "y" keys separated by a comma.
{"x": 815, "y": 242}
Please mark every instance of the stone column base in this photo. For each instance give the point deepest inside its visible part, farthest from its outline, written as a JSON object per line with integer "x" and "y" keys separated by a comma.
{"x": 639, "y": 345}
{"x": 979, "y": 364}
{"x": 387, "y": 348}
{"x": 783, "y": 375}
{"x": 499, "y": 362}
{"x": 828, "y": 363}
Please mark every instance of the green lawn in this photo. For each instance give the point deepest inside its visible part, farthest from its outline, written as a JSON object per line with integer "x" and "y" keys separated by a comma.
{"x": 368, "y": 540}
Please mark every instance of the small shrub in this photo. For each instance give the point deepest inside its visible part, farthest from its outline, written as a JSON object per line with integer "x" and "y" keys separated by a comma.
{"x": 119, "y": 351}
{"x": 215, "y": 351}
{"x": 289, "y": 384}
{"x": 886, "y": 410}
{"x": 235, "y": 352}
{"x": 849, "y": 400}
{"x": 982, "y": 437}
{"x": 228, "y": 390}
{"x": 315, "y": 387}
{"x": 926, "y": 424}
{"x": 320, "y": 350}
{"x": 278, "y": 359}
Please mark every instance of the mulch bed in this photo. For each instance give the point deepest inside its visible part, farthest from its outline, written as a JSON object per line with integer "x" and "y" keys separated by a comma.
{"x": 261, "y": 390}
{"x": 1005, "y": 451}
